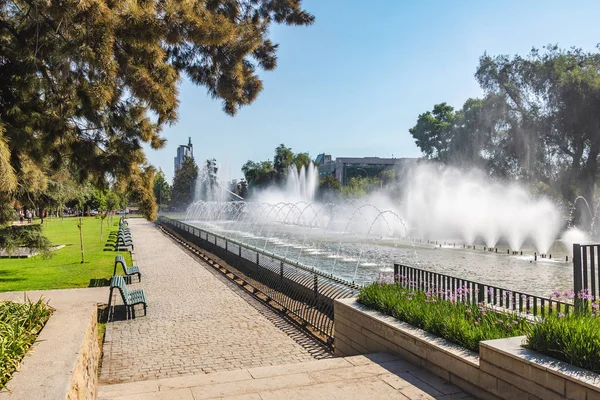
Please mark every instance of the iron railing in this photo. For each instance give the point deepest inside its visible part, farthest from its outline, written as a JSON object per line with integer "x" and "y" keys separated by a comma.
{"x": 450, "y": 287}
{"x": 586, "y": 272}
{"x": 300, "y": 290}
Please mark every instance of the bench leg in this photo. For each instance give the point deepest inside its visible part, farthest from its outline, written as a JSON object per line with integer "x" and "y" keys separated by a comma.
{"x": 133, "y": 311}
{"x": 144, "y": 309}
{"x": 139, "y": 276}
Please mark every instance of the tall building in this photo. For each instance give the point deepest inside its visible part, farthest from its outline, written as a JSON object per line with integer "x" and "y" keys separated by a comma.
{"x": 182, "y": 152}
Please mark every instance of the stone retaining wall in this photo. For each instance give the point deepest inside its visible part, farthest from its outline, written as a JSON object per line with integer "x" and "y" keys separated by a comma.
{"x": 63, "y": 362}
{"x": 84, "y": 381}
{"x": 502, "y": 370}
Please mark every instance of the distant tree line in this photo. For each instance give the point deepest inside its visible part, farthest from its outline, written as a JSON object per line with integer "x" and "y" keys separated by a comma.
{"x": 538, "y": 123}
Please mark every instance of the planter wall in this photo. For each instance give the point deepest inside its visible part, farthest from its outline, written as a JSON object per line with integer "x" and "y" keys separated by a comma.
{"x": 502, "y": 370}
{"x": 63, "y": 363}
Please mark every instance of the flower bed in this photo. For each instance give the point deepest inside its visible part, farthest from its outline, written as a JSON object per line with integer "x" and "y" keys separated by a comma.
{"x": 574, "y": 337}
{"x": 19, "y": 326}
{"x": 460, "y": 323}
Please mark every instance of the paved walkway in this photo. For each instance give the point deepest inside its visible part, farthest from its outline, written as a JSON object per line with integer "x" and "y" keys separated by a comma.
{"x": 375, "y": 376}
{"x": 195, "y": 324}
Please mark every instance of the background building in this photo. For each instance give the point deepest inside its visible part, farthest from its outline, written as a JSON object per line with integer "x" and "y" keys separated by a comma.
{"x": 346, "y": 168}
{"x": 182, "y": 152}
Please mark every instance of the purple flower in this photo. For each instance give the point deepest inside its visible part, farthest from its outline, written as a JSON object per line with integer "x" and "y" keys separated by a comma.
{"x": 560, "y": 315}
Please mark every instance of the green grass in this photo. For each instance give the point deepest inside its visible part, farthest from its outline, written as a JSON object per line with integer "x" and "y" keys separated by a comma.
{"x": 64, "y": 269}
{"x": 574, "y": 338}
{"x": 463, "y": 324}
{"x": 19, "y": 326}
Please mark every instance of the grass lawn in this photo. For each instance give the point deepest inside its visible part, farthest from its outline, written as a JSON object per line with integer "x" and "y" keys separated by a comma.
{"x": 64, "y": 269}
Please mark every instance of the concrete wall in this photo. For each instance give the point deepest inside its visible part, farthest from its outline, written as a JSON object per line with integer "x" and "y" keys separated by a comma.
{"x": 63, "y": 363}
{"x": 84, "y": 381}
{"x": 502, "y": 370}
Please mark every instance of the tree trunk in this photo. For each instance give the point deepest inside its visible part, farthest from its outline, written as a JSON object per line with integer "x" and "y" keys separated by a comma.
{"x": 80, "y": 226}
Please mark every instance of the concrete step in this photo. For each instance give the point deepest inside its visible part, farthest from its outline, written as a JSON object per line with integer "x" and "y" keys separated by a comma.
{"x": 372, "y": 376}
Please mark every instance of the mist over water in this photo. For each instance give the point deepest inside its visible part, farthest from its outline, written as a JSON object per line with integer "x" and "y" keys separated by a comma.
{"x": 300, "y": 185}
{"x": 430, "y": 205}
{"x": 447, "y": 203}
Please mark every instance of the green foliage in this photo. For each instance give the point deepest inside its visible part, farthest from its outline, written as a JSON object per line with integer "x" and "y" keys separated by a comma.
{"x": 329, "y": 189}
{"x": 259, "y": 174}
{"x": 537, "y": 123}
{"x": 433, "y": 131}
{"x": 461, "y": 323}
{"x": 64, "y": 268}
{"x": 184, "y": 184}
{"x": 112, "y": 201}
{"x": 26, "y": 236}
{"x": 359, "y": 186}
{"x": 573, "y": 338}
{"x": 87, "y": 84}
{"x": 19, "y": 326}
{"x": 162, "y": 190}
{"x": 264, "y": 173}
{"x": 284, "y": 158}
{"x": 302, "y": 160}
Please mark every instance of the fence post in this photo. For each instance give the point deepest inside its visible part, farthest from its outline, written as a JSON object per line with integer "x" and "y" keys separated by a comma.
{"x": 396, "y": 274}
{"x": 257, "y": 262}
{"x": 239, "y": 251}
{"x": 316, "y": 285}
{"x": 226, "y": 247}
{"x": 480, "y": 293}
{"x": 577, "y": 276}
{"x": 281, "y": 269}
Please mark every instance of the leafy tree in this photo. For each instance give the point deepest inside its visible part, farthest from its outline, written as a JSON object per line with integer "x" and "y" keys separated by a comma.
{"x": 359, "y": 186}
{"x": 112, "y": 202}
{"x": 302, "y": 160}
{"x": 388, "y": 177}
{"x": 184, "y": 184}
{"x": 552, "y": 99}
{"x": 162, "y": 190}
{"x": 284, "y": 158}
{"x": 329, "y": 189}
{"x": 259, "y": 174}
{"x": 433, "y": 131}
{"x": 264, "y": 173}
{"x": 88, "y": 83}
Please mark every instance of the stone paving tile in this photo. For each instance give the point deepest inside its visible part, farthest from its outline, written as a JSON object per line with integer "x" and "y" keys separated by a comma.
{"x": 375, "y": 377}
{"x": 195, "y": 324}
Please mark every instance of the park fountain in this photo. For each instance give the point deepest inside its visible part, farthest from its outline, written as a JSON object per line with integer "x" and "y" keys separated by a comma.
{"x": 356, "y": 239}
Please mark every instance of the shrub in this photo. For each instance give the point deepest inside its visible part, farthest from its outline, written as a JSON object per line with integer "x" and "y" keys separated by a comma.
{"x": 574, "y": 338}
{"x": 19, "y": 327}
{"x": 461, "y": 323}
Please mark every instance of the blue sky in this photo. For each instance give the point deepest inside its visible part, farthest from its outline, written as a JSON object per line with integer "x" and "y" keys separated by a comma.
{"x": 353, "y": 83}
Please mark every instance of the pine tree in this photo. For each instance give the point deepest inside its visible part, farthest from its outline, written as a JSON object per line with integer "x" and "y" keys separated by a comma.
{"x": 87, "y": 83}
{"x": 184, "y": 184}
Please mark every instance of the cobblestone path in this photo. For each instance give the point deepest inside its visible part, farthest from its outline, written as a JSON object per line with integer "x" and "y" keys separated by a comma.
{"x": 196, "y": 322}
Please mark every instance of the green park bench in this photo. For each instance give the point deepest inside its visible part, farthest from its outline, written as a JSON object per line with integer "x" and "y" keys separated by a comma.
{"x": 129, "y": 271}
{"x": 124, "y": 241}
{"x": 131, "y": 298}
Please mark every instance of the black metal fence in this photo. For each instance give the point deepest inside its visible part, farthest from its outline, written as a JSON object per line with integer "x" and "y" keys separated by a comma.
{"x": 586, "y": 274}
{"x": 452, "y": 288}
{"x": 302, "y": 291}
